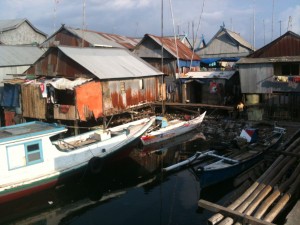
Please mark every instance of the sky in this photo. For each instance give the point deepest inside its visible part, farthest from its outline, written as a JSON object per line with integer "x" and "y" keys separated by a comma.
{"x": 257, "y": 21}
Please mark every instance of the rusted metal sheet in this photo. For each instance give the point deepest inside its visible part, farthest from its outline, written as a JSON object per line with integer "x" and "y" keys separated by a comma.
{"x": 286, "y": 45}
{"x": 33, "y": 104}
{"x": 89, "y": 100}
{"x": 55, "y": 63}
{"x": 121, "y": 95}
{"x": 171, "y": 47}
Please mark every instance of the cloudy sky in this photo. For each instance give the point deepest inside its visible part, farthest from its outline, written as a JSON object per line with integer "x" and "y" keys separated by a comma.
{"x": 258, "y": 21}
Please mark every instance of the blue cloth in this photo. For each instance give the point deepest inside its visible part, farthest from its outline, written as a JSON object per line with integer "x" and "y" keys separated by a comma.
{"x": 10, "y": 96}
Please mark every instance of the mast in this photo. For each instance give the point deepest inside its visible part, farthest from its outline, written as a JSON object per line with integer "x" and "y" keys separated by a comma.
{"x": 162, "y": 57}
{"x": 253, "y": 24}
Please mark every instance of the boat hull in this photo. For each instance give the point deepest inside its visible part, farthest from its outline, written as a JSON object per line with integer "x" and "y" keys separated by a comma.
{"x": 23, "y": 181}
{"x": 172, "y": 131}
{"x": 211, "y": 177}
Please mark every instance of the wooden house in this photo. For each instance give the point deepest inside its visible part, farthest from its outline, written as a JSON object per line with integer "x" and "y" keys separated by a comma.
{"x": 223, "y": 49}
{"x": 87, "y": 84}
{"x": 270, "y": 78}
{"x": 20, "y": 32}
{"x": 85, "y": 38}
{"x": 175, "y": 59}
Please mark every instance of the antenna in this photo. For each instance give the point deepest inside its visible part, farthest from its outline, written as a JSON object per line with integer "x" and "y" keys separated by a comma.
{"x": 290, "y": 25}
{"x": 54, "y": 14}
{"x": 272, "y": 20}
{"x": 280, "y": 27}
{"x": 264, "y": 32}
{"x": 83, "y": 22}
{"x": 253, "y": 24}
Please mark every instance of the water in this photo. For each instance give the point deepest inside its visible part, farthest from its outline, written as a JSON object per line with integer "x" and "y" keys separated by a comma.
{"x": 131, "y": 189}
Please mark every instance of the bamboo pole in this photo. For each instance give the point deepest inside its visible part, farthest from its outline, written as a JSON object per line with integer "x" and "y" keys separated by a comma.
{"x": 261, "y": 186}
{"x": 226, "y": 221}
{"x": 268, "y": 188}
{"x": 218, "y": 217}
{"x": 283, "y": 201}
{"x": 266, "y": 204}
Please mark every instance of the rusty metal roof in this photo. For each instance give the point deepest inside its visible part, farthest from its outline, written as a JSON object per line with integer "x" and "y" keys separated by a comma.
{"x": 94, "y": 38}
{"x": 110, "y": 63}
{"x": 98, "y": 38}
{"x": 19, "y": 55}
{"x": 127, "y": 42}
{"x": 169, "y": 45}
{"x": 286, "y": 45}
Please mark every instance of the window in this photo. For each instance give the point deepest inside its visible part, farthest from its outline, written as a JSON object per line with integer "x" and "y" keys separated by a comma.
{"x": 24, "y": 154}
{"x": 33, "y": 153}
{"x": 286, "y": 69}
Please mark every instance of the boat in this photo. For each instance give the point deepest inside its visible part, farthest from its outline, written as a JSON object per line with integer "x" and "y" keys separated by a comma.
{"x": 211, "y": 167}
{"x": 171, "y": 129}
{"x": 32, "y": 160}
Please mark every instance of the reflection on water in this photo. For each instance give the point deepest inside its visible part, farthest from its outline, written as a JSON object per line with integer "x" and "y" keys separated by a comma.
{"x": 130, "y": 190}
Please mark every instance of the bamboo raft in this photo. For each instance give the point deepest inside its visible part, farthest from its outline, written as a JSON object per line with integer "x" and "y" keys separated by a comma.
{"x": 272, "y": 192}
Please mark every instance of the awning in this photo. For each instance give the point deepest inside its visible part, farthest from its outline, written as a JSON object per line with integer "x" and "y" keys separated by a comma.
{"x": 225, "y": 59}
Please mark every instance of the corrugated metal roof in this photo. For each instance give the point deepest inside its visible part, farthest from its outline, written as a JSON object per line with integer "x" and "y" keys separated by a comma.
{"x": 283, "y": 59}
{"x": 127, "y": 42}
{"x": 110, "y": 63}
{"x": 286, "y": 45}
{"x": 210, "y": 74}
{"x": 168, "y": 43}
{"x": 94, "y": 38}
{"x": 239, "y": 39}
{"x": 6, "y": 25}
{"x": 226, "y": 43}
{"x": 19, "y": 55}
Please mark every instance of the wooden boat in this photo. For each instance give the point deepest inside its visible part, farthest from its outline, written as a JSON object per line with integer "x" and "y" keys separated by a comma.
{"x": 213, "y": 168}
{"x": 171, "y": 129}
{"x": 32, "y": 162}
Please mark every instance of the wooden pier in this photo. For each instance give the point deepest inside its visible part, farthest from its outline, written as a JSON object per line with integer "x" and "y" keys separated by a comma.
{"x": 276, "y": 189}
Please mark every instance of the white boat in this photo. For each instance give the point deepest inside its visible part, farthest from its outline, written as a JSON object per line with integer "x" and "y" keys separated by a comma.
{"x": 32, "y": 162}
{"x": 172, "y": 129}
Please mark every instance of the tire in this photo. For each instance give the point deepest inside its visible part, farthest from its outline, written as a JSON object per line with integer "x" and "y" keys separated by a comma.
{"x": 95, "y": 165}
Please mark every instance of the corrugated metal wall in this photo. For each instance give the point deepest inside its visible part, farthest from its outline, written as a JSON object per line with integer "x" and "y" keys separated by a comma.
{"x": 253, "y": 76}
{"x": 121, "y": 95}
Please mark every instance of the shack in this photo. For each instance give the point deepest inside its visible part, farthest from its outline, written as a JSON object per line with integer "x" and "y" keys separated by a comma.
{"x": 87, "y": 85}
{"x": 270, "y": 79}
{"x": 172, "y": 57}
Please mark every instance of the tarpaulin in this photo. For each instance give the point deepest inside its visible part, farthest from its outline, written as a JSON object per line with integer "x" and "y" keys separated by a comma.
{"x": 89, "y": 96}
{"x": 187, "y": 63}
{"x": 10, "y": 96}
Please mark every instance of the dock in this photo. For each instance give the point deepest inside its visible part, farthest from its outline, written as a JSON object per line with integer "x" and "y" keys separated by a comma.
{"x": 263, "y": 201}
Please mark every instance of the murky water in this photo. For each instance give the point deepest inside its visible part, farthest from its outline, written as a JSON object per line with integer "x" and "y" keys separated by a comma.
{"x": 131, "y": 189}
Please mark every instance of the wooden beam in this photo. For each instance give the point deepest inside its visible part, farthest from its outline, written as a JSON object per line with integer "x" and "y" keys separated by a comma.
{"x": 185, "y": 110}
{"x": 228, "y": 212}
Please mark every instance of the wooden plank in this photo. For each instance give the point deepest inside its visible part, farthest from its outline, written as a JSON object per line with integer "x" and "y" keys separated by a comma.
{"x": 231, "y": 213}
